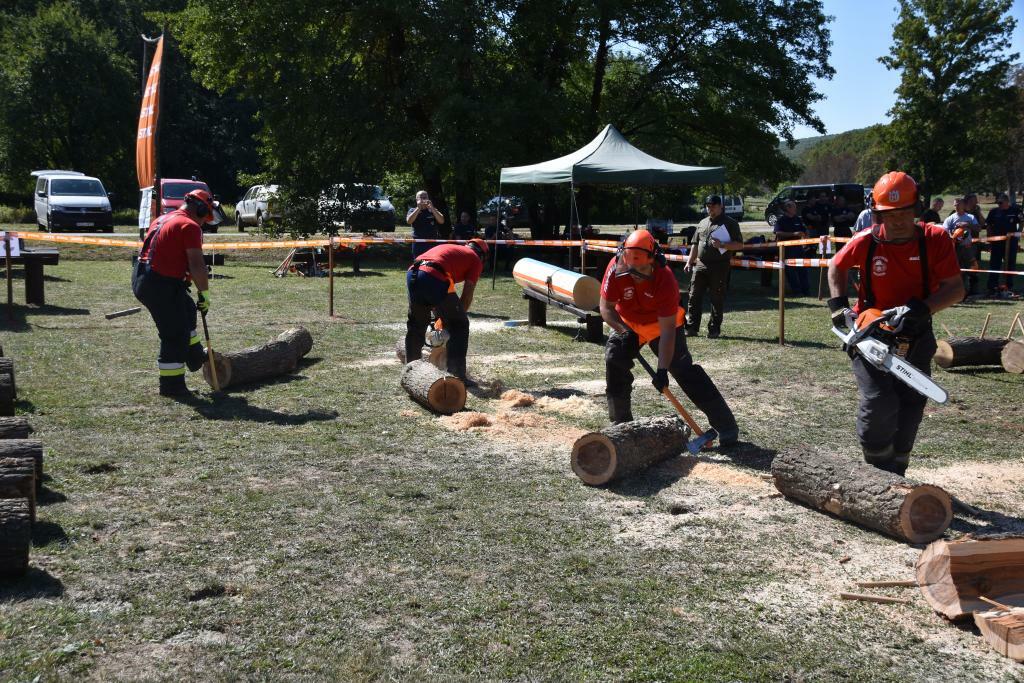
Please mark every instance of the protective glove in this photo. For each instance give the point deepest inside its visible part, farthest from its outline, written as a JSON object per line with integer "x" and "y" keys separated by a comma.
{"x": 660, "y": 380}
{"x": 203, "y": 301}
{"x": 910, "y": 320}
{"x": 841, "y": 312}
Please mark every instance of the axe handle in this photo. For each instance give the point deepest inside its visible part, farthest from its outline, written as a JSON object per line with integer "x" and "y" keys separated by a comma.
{"x": 672, "y": 399}
{"x": 209, "y": 355}
{"x": 119, "y": 314}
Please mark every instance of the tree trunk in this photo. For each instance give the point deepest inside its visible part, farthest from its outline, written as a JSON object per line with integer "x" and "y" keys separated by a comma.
{"x": 956, "y": 352}
{"x": 853, "y": 490}
{"x": 1003, "y": 630}
{"x": 7, "y": 369}
{"x": 6, "y": 396}
{"x": 432, "y": 388}
{"x": 954, "y": 574}
{"x": 1012, "y": 357}
{"x": 25, "y": 448}
{"x": 624, "y": 449}
{"x": 255, "y": 363}
{"x": 14, "y": 428}
{"x": 18, "y": 480}
{"x": 15, "y": 536}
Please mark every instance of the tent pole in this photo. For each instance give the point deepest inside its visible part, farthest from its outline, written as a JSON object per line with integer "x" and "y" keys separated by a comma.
{"x": 568, "y": 228}
{"x": 497, "y": 228}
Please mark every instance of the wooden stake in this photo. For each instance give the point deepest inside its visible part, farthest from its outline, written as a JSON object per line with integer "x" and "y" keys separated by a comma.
{"x": 1016, "y": 319}
{"x": 994, "y": 603}
{"x": 782, "y": 296}
{"x": 984, "y": 327}
{"x": 864, "y": 597}
{"x": 910, "y": 583}
{"x": 10, "y": 283}
{"x": 946, "y": 330}
{"x": 1020, "y": 324}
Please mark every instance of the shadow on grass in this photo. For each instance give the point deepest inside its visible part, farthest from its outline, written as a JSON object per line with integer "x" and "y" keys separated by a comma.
{"x": 992, "y": 373}
{"x": 980, "y": 522}
{"x": 227, "y": 407}
{"x": 361, "y": 273}
{"x": 44, "y": 533}
{"x": 47, "y": 496}
{"x": 24, "y": 406}
{"x": 651, "y": 482}
{"x": 774, "y": 341}
{"x": 20, "y": 321}
{"x": 35, "y": 584}
{"x": 286, "y": 378}
{"x": 487, "y": 316}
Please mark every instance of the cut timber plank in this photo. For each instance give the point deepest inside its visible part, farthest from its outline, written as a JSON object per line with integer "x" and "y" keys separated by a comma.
{"x": 15, "y": 536}
{"x": 1003, "y": 630}
{"x": 955, "y": 575}
{"x": 276, "y": 357}
{"x": 853, "y": 490}
{"x": 623, "y": 449}
{"x": 432, "y": 388}
{"x": 957, "y": 352}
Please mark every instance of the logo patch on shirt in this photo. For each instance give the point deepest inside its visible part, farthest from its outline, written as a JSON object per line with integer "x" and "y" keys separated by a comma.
{"x": 628, "y": 293}
{"x": 879, "y": 265}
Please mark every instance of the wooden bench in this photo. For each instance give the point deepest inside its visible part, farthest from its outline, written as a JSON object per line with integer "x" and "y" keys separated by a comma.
{"x": 537, "y": 314}
{"x": 33, "y": 260}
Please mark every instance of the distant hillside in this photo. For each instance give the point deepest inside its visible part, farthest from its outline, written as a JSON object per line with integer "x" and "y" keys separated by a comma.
{"x": 854, "y": 156}
{"x": 803, "y": 145}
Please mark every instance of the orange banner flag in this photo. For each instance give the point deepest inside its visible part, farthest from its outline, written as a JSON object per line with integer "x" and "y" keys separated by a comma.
{"x": 145, "y": 144}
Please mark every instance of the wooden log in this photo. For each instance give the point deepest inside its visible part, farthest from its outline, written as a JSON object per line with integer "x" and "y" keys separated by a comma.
{"x": 853, "y": 490}
{"x": 7, "y": 368}
{"x": 14, "y": 428}
{"x": 15, "y": 536}
{"x": 18, "y": 480}
{"x": 25, "y": 448}
{"x": 264, "y": 361}
{"x": 6, "y": 396}
{"x": 438, "y": 357}
{"x": 1003, "y": 630}
{"x": 623, "y": 449}
{"x": 433, "y": 388}
{"x": 955, "y": 575}
{"x": 957, "y": 352}
{"x": 1012, "y": 357}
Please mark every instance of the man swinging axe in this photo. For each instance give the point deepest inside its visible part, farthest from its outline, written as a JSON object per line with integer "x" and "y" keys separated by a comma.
{"x": 640, "y": 302}
{"x": 908, "y": 273}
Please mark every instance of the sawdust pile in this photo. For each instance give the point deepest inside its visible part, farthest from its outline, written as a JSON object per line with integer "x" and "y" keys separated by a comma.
{"x": 517, "y": 399}
{"x": 523, "y": 420}
{"x": 709, "y": 471}
{"x": 574, "y": 406}
{"x": 514, "y": 427}
{"x": 460, "y": 422}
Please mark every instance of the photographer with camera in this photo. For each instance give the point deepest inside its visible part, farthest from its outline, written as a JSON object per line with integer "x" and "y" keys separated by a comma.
{"x": 424, "y": 219}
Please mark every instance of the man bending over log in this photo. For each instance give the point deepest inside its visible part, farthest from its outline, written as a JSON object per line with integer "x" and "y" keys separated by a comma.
{"x": 640, "y": 302}
{"x": 910, "y": 271}
{"x": 431, "y": 281}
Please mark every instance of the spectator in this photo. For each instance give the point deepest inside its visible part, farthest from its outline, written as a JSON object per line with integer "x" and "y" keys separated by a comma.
{"x": 465, "y": 229}
{"x": 1003, "y": 220}
{"x": 867, "y": 217}
{"x": 816, "y": 216}
{"x": 790, "y": 226}
{"x": 960, "y": 226}
{"x": 932, "y": 215}
{"x": 503, "y": 251}
{"x": 709, "y": 261}
{"x": 843, "y": 218}
{"x": 424, "y": 219}
{"x": 971, "y": 204}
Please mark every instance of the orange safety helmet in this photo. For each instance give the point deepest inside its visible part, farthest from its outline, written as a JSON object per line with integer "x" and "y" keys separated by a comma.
{"x": 895, "y": 190}
{"x": 480, "y": 245}
{"x": 201, "y": 204}
{"x": 639, "y": 249}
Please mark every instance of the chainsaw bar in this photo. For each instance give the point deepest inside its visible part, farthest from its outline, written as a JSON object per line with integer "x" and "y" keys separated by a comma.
{"x": 882, "y": 357}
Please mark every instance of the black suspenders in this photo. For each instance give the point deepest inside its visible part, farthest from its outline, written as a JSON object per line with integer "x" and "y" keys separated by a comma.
{"x": 866, "y": 272}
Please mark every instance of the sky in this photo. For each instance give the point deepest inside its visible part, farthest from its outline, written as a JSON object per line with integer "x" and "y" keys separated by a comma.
{"x": 862, "y": 90}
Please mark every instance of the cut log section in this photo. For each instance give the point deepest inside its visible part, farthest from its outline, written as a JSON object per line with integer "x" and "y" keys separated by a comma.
{"x": 6, "y": 396}
{"x": 14, "y": 428}
{"x": 957, "y": 352}
{"x": 955, "y": 575}
{"x": 1003, "y": 630}
{"x": 853, "y": 490}
{"x": 437, "y": 357}
{"x": 276, "y": 357}
{"x": 1012, "y": 357}
{"x": 7, "y": 368}
{"x": 432, "y": 388}
{"x": 617, "y": 451}
{"x": 15, "y": 536}
{"x": 25, "y": 448}
{"x": 18, "y": 480}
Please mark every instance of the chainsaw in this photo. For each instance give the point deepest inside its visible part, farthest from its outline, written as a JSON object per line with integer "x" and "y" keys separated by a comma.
{"x": 881, "y": 347}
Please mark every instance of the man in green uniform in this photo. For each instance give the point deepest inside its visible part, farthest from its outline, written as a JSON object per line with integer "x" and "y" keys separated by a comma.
{"x": 709, "y": 262}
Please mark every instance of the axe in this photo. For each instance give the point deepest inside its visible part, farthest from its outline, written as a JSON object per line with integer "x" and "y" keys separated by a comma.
{"x": 702, "y": 438}
{"x": 209, "y": 355}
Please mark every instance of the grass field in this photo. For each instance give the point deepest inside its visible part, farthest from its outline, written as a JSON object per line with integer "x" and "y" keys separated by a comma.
{"x": 323, "y": 526}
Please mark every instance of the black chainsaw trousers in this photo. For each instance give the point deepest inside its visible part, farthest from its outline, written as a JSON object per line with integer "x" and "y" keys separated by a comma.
{"x": 174, "y": 312}
{"x": 619, "y": 353}
{"x": 890, "y": 412}
{"x": 427, "y": 293}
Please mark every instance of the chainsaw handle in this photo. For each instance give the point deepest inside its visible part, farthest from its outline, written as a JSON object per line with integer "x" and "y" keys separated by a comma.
{"x": 672, "y": 399}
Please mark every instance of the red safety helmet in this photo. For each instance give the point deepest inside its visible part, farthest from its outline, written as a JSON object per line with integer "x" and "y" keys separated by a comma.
{"x": 481, "y": 246}
{"x": 201, "y": 204}
{"x": 895, "y": 190}
{"x": 639, "y": 248}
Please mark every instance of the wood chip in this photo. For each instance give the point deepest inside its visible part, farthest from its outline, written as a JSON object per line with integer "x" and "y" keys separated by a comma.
{"x": 864, "y": 597}
{"x": 844, "y": 559}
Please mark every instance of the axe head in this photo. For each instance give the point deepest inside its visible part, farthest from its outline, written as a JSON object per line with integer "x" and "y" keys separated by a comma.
{"x": 695, "y": 445}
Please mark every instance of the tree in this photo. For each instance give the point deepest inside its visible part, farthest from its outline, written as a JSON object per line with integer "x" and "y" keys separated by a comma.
{"x": 953, "y": 58}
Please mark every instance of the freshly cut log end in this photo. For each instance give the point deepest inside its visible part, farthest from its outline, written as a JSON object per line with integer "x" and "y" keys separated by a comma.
{"x": 14, "y": 428}
{"x": 276, "y": 357}
{"x": 853, "y": 490}
{"x": 958, "y": 352}
{"x": 432, "y": 388}
{"x": 1012, "y": 357}
{"x": 599, "y": 458}
{"x": 954, "y": 575}
{"x": 438, "y": 357}
{"x": 25, "y": 448}
{"x": 1003, "y": 630}
{"x": 15, "y": 536}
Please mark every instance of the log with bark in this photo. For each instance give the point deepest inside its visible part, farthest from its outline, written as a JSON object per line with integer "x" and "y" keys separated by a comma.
{"x": 14, "y": 428}
{"x": 7, "y": 369}
{"x": 432, "y": 388}
{"x": 15, "y": 536}
{"x": 623, "y": 449}
{"x": 438, "y": 357}
{"x": 1003, "y": 629}
{"x": 1012, "y": 357}
{"x": 957, "y": 352}
{"x": 6, "y": 396}
{"x": 955, "y": 575}
{"x": 853, "y": 490}
{"x": 264, "y": 361}
{"x": 18, "y": 480}
{"x": 25, "y": 448}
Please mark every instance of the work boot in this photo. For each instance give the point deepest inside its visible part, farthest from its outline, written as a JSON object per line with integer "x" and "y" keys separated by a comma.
{"x": 714, "y": 333}
{"x": 691, "y": 331}
{"x": 174, "y": 386}
{"x": 729, "y": 437}
{"x": 620, "y": 409}
{"x": 886, "y": 459}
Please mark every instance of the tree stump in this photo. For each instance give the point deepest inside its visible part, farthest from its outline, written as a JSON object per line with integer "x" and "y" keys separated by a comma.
{"x": 1012, "y": 357}
{"x": 1003, "y": 630}
{"x": 957, "y": 352}
{"x": 15, "y": 536}
{"x": 620, "y": 450}
{"x": 853, "y": 490}
{"x": 7, "y": 368}
{"x": 953, "y": 575}
{"x": 433, "y": 388}
{"x": 6, "y": 396}
{"x": 438, "y": 357}
{"x": 18, "y": 480}
{"x": 25, "y": 448}
{"x": 14, "y": 428}
{"x": 256, "y": 363}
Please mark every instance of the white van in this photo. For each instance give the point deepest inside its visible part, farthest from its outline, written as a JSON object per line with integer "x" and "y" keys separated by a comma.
{"x": 69, "y": 200}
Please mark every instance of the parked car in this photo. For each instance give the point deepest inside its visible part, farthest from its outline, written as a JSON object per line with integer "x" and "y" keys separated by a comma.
{"x": 802, "y": 194}
{"x": 172, "y": 194}
{"x": 358, "y": 208}
{"x": 733, "y": 206}
{"x": 514, "y": 212}
{"x": 69, "y": 200}
{"x": 256, "y": 207}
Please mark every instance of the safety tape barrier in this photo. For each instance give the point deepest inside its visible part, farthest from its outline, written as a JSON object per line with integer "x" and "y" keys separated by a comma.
{"x": 752, "y": 263}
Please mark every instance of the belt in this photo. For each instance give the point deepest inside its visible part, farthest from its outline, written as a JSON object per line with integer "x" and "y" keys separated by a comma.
{"x": 416, "y": 265}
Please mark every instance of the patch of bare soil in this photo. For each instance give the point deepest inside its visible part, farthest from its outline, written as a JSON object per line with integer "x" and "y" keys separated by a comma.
{"x": 591, "y": 387}
{"x": 983, "y": 485}
{"x": 548, "y": 370}
{"x": 375, "y": 362}
{"x": 514, "y": 358}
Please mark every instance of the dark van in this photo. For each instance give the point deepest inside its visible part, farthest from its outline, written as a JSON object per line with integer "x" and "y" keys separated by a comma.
{"x": 802, "y": 194}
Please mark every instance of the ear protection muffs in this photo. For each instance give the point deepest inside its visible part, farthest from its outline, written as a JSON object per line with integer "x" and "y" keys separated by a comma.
{"x": 198, "y": 207}
{"x": 658, "y": 256}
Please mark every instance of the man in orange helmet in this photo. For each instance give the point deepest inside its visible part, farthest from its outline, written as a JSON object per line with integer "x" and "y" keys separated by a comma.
{"x": 908, "y": 270}
{"x": 640, "y": 302}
